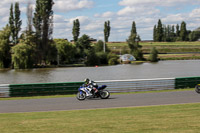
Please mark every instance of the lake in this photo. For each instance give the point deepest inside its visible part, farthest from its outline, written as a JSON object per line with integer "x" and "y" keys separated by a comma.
{"x": 162, "y": 69}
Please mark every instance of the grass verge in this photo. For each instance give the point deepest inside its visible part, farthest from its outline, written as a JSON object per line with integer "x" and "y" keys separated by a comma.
{"x": 154, "y": 119}
{"x": 61, "y": 96}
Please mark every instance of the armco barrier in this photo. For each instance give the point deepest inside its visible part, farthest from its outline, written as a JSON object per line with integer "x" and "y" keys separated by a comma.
{"x": 187, "y": 82}
{"x": 4, "y": 90}
{"x": 132, "y": 85}
{"x": 17, "y": 90}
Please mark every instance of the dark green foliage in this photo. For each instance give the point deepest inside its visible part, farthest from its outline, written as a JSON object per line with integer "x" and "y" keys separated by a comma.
{"x": 5, "y": 55}
{"x": 92, "y": 58}
{"x": 15, "y": 23}
{"x": 155, "y": 33}
{"x": 133, "y": 43}
{"x": 18, "y": 22}
{"x": 11, "y": 24}
{"x": 112, "y": 59}
{"x": 177, "y": 31}
{"x": 153, "y": 57}
{"x": 76, "y": 30}
{"x": 168, "y": 33}
{"x": 43, "y": 24}
{"x": 133, "y": 30}
{"x": 99, "y": 46}
{"x": 84, "y": 42}
{"x": 194, "y": 35}
{"x": 183, "y": 32}
{"x": 22, "y": 56}
{"x": 159, "y": 34}
{"x": 106, "y": 30}
{"x": 83, "y": 45}
{"x": 66, "y": 51}
{"x": 102, "y": 58}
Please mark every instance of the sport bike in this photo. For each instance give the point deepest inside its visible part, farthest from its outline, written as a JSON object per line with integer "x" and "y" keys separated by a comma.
{"x": 86, "y": 92}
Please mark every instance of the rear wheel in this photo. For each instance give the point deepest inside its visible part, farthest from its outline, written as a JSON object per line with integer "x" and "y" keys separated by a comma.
{"x": 104, "y": 94}
{"x": 81, "y": 96}
{"x": 197, "y": 89}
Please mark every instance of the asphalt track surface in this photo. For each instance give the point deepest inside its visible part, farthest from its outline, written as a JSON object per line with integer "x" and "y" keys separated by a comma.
{"x": 115, "y": 101}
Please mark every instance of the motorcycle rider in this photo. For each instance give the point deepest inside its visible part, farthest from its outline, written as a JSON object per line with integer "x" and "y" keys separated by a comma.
{"x": 92, "y": 85}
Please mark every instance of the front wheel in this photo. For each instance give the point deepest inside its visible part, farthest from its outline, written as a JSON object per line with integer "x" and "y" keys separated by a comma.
{"x": 81, "y": 96}
{"x": 197, "y": 89}
{"x": 104, "y": 94}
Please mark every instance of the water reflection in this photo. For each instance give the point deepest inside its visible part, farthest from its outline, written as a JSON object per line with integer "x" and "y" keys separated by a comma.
{"x": 162, "y": 69}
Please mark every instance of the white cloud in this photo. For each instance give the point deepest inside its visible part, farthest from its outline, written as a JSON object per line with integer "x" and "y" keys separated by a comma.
{"x": 70, "y": 5}
{"x": 154, "y": 3}
{"x": 195, "y": 13}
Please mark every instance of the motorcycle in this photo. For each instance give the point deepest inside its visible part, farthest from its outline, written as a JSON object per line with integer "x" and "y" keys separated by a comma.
{"x": 197, "y": 88}
{"x": 87, "y": 92}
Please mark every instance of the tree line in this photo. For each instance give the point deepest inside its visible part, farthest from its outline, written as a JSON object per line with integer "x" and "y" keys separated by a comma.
{"x": 172, "y": 33}
{"x": 35, "y": 46}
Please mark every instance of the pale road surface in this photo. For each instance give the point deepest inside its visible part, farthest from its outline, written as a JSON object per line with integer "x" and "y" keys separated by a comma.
{"x": 115, "y": 101}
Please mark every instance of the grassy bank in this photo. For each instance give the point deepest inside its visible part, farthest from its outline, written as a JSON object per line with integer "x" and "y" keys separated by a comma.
{"x": 183, "y": 50}
{"x": 154, "y": 119}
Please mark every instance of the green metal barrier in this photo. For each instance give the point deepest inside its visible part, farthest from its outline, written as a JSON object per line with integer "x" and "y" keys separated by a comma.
{"x": 187, "y": 82}
{"x": 39, "y": 89}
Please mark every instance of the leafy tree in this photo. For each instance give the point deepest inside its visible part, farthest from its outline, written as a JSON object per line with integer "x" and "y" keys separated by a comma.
{"x": 83, "y": 45}
{"x": 66, "y": 50}
{"x": 76, "y": 30}
{"x": 11, "y": 24}
{"x": 154, "y": 33}
{"x": 133, "y": 29}
{"x": 153, "y": 57}
{"x": 5, "y": 55}
{"x": 177, "y": 31}
{"x": 99, "y": 46}
{"x": 106, "y": 30}
{"x": 29, "y": 14}
{"x": 43, "y": 24}
{"x": 18, "y": 23}
{"x": 22, "y": 56}
{"x": 92, "y": 58}
{"x": 112, "y": 59}
{"x": 194, "y": 35}
{"x": 133, "y": 43}
{"x": 102, "y": 57}
{"x": 183, "y": 32}
{"x": 159, "y": 34}
{"x": 15, "y": 23}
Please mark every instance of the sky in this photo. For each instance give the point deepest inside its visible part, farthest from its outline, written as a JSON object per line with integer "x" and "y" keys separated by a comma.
{"x": 121, "y": 13}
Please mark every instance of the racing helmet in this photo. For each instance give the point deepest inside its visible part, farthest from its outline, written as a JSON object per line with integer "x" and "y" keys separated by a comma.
{"x": 86, "y": 80}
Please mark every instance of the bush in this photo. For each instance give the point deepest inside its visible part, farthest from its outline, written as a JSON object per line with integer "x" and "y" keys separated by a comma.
{"x": 102, "y": 58}
{"x": 112, "y": 59}
{"x": 99, "y": 46}
{"x": 153, "y": 55}
{"x": 92, "y": 58}
{"x": 22, "y": 56}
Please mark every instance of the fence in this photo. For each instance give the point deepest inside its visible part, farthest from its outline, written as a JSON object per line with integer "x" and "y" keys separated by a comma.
{"x": 132, "y": 85}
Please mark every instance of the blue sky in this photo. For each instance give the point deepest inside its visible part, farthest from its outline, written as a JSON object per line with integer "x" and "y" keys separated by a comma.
{"x": 93, "y": 13}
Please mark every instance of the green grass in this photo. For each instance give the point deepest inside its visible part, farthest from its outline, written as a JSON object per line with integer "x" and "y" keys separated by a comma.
{"x": 61, "y": 96}
{"x": 162, "y": 47}
{"x": 154, "y": 119}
